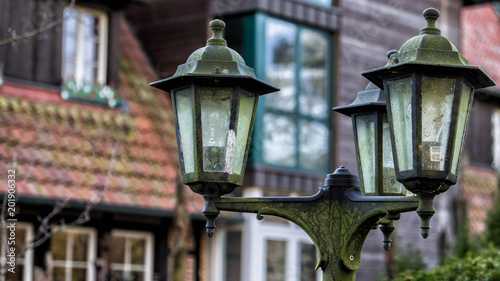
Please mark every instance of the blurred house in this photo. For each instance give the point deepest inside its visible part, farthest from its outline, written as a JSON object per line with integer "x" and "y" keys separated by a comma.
{"x": 480, "y": 26}
{"x": 79, "y": 121}
{"x": 88, "y": 142}
{"x": 314, "y": 51}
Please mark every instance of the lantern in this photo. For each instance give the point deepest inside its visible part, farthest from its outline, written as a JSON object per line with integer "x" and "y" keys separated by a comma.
{"x": 430, "y": 88}
{"x": 214, "y": 96}
{"x": 373, "y": 143}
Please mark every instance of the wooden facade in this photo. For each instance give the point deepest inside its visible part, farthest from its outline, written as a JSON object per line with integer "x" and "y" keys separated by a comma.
{"x": 36, "y": 59}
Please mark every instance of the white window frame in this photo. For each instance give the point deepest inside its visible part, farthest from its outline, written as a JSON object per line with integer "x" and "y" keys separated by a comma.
{"x": 254, "y": 234}
{"x": 102, "y": 52}
{"x": 27, "y": 260}
{"x": 147, "y": 268}
{"x": 91, "y": 251}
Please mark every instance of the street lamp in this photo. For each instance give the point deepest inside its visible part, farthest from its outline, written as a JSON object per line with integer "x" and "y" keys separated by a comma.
{"x": 429, "y": 88}
{"x": 214, "y": 96}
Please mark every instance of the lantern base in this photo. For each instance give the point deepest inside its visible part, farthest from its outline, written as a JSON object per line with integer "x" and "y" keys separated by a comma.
{"x": 426, "y": 211}
{"x": 216, "y": 189}
{"x": 211, "y": 212}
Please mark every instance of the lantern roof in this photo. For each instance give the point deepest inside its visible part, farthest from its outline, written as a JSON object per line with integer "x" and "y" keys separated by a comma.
{"x": 215, "y": 64}
{"x": 429, "y": 49}
{"x": 370, "y": 100}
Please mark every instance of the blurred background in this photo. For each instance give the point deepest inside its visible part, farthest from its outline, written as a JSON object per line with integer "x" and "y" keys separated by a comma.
{"x": 97, "y": 187}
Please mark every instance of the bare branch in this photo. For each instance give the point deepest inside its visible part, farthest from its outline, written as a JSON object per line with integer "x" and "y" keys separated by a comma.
{"x": 34, "y": 32}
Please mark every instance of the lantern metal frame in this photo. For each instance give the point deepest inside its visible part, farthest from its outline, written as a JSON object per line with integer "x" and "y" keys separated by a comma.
{"x": 339, "y": 217}
{"x": 428, "y": 55}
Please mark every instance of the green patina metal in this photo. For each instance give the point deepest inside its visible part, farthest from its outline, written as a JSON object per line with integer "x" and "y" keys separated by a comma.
{"x": 425, "y": 81}
{"x": 216, "y": 75}
{"x": 337, "y": 219}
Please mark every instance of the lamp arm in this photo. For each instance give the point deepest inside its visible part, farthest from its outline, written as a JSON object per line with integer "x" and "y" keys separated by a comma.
{"x": 393, "y": 204}
{"x": 308, "y": 212}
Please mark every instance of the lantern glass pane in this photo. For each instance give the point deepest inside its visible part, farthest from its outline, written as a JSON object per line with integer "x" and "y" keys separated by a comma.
{"x": 437, "y": 103}
{"x": 401, "y": 109}
{"x": 391, "y": 185}
{"x": 365, "y": 135}
{"x": 184, "y": 104}
{"x": 463, "y": 116}
{"x": 216, "y": 136}
{"x": 245, "y": 117}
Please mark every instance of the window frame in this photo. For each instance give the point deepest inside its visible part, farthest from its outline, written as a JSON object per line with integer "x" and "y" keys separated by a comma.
{"x": 102, "y": 51}
{"x": 254, "y": 50}
{"x": 148, "y": 254}
{"x": 254, "y": 236}
{"x": 91, "y": 251}
{"x": 27, "y": 260}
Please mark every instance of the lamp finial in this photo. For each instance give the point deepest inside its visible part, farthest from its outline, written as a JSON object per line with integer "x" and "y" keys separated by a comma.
{"x": 217, "y": 26}
{"x": 431, "y": 15}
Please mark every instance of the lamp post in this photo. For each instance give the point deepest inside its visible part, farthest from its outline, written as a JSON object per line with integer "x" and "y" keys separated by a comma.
{"x": 429, "y": 88}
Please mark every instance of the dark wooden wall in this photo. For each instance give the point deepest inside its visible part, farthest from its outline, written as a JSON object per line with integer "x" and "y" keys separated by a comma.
{"x": 479, "y": 142}
{"x": 170, "y": 31}
{"x": 37, "y": 58}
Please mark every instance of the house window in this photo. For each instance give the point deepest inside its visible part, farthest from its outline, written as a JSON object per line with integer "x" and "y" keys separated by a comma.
{"x": 290, "y": 258}
{"x": 132, "y": 257}
{"x": 296, "y": 120}
{"x": 84, "y": 50}
{"x": 24, "y": 263}
{"x": 74, "y": 253}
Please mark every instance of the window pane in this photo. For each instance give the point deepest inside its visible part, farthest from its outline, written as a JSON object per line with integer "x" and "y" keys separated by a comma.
{"x": 58, "y": 246}
{"x": 80, "y": 246}
{"x": 280, "y": 63}
{"x": 275, "y": 265}
{"x": 313, "y": 74}
{"x": 279, "y": 140}
{"x": 307, "y": 262}
{"x": 69, "y": 47}
{"x": 79, "y": 274}
{"x": 90, "y": 73}
{"x": 313, "y": 145}
{"x": 118, "y": 275}
{"x": 59, "y": 274}
{"x": 138, "y": 250}
{"x": 233, "y": 255}
{"x": 90, "y": 52}
{"x": 90, "y": 25}
{"x": 118, "y": 250}
{"x": 70, "y": 21}
{"x": 83, "y": 36}
{"x": 68, "y": 70}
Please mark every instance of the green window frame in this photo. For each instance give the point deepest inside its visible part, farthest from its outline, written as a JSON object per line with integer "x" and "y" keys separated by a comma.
{"x": 304, "y": 120}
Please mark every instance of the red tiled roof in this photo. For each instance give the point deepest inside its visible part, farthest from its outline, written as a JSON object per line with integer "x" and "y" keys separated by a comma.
{"x": 480, "y": 39}
{"x": 479, "y": 186}
{"x": 65, "y": 149}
